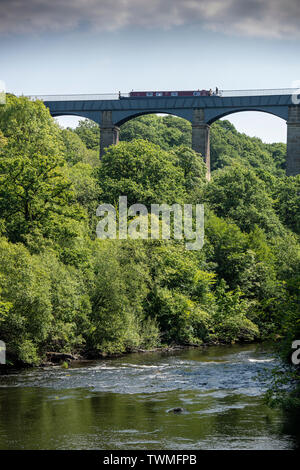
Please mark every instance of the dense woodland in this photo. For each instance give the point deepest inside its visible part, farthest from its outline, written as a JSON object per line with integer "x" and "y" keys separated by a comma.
{"x": 64, "y": 290}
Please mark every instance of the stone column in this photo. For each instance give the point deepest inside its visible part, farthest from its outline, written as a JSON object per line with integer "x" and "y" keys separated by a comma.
{"x": 293, "y": 141}
{"x": 109, "y": 133}
{"x": 201, "y": 137}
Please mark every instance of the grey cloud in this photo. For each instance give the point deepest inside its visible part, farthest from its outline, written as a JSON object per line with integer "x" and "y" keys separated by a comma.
{"x": 254, "y": 18}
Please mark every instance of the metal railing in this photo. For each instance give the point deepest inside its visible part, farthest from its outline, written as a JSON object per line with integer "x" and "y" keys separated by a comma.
{"x": 115, "y": 96}
{"x": 259, "y": 92}
{"x": 88, "y": 97}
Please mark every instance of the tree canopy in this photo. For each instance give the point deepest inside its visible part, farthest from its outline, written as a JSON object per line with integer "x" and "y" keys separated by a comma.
{"x": 62, "y": 289}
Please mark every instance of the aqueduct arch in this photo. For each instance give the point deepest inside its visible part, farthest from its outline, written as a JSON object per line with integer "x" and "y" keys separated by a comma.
{"x": 200, "y": 126}
{"x": 113, "y": 110}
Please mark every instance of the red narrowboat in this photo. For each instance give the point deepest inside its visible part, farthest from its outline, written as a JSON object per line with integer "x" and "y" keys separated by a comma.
{"x": 159, "y": 94}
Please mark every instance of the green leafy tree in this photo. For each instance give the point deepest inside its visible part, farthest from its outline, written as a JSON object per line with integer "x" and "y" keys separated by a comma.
{"x": 32, "y": 190}
{"x": 118, "y": 291}
{"x": 89, "y": 133}
{"x": 75, "y": 150}
{"x": 230, "y": 318}
{"x": 238, "y": 194}
{"x": 287, "y": 202}
{"x": 29, "y": 128}
{"x": 142, "y": 171}
{"x": 165, "y": 131}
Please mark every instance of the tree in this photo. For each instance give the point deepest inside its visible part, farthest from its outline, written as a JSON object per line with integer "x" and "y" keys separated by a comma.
{"x": 89, "y": 133}
{"x": 118, "y": 291}
{"x": 194, "y": 170}
{"x": 143, "y": 172}
{"x": 29, "y": 128}
{"x": 63, "y": 290}
{"x": 45, "y": 303}
{"x": 75, "y": 150}
{"x": 238, "y": 194}
{"x": 230, "y": 318}
{"x": 87, "y": 192}
{"x": 287, "y": 202}
{"x": 165, "y": 131}
{"x": 34, "y": 188}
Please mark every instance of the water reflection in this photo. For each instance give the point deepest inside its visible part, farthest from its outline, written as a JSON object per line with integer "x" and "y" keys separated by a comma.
{"x": 123, "y": 404}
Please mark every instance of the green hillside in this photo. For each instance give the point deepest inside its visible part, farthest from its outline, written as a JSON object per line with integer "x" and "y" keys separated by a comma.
{"x": 62, "y": 289}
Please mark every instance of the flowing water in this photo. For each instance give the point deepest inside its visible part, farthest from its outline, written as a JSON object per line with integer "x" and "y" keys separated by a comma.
{"x": 125, "y": 403}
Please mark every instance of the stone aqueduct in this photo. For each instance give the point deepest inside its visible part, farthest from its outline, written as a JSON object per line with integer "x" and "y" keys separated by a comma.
{"x": 111, "y": 111}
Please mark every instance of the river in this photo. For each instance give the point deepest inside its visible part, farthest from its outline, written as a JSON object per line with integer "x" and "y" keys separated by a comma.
{"x": 125, "y": 403}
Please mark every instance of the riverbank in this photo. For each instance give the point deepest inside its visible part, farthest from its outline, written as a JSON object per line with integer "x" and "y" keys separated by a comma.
{"x": 54, "y": 358}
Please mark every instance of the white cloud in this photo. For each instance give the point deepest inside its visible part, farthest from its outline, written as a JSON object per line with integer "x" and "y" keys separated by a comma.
{"x": 254, "y": 18}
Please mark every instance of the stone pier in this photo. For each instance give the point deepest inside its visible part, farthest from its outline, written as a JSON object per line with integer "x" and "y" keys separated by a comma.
{"x": 109, "y": 133}
{"x": 201, "y": 137}
{"x": 293, "y": 141}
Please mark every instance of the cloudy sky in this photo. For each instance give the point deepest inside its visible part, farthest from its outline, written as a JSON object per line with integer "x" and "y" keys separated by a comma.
{"x": 101, "y": 46}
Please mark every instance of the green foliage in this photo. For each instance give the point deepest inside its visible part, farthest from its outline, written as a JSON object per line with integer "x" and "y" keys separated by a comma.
{"x": 194, "y": 172}
{"x": 228, "y": 147}
{"x": 87, "y": 192}
{"x": 62, "y": 290}
{"x": 29, "y": 128}
{"x": 142, "y": 171}
{"x": 230, "y": 317}
{"x": 45, "y": 301}
{"x": 118, "y": 290}
{"x": 180, "y": 296}
{"x": 180, "y": 319}
{"x": 89, "y": 133}
{"x": 75, "y": 150}
{"x": 165, "y": 131}
{"x": 238, "y": 194}
{"x": 287, "y": 202}
{"x": 34, "y": 190}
